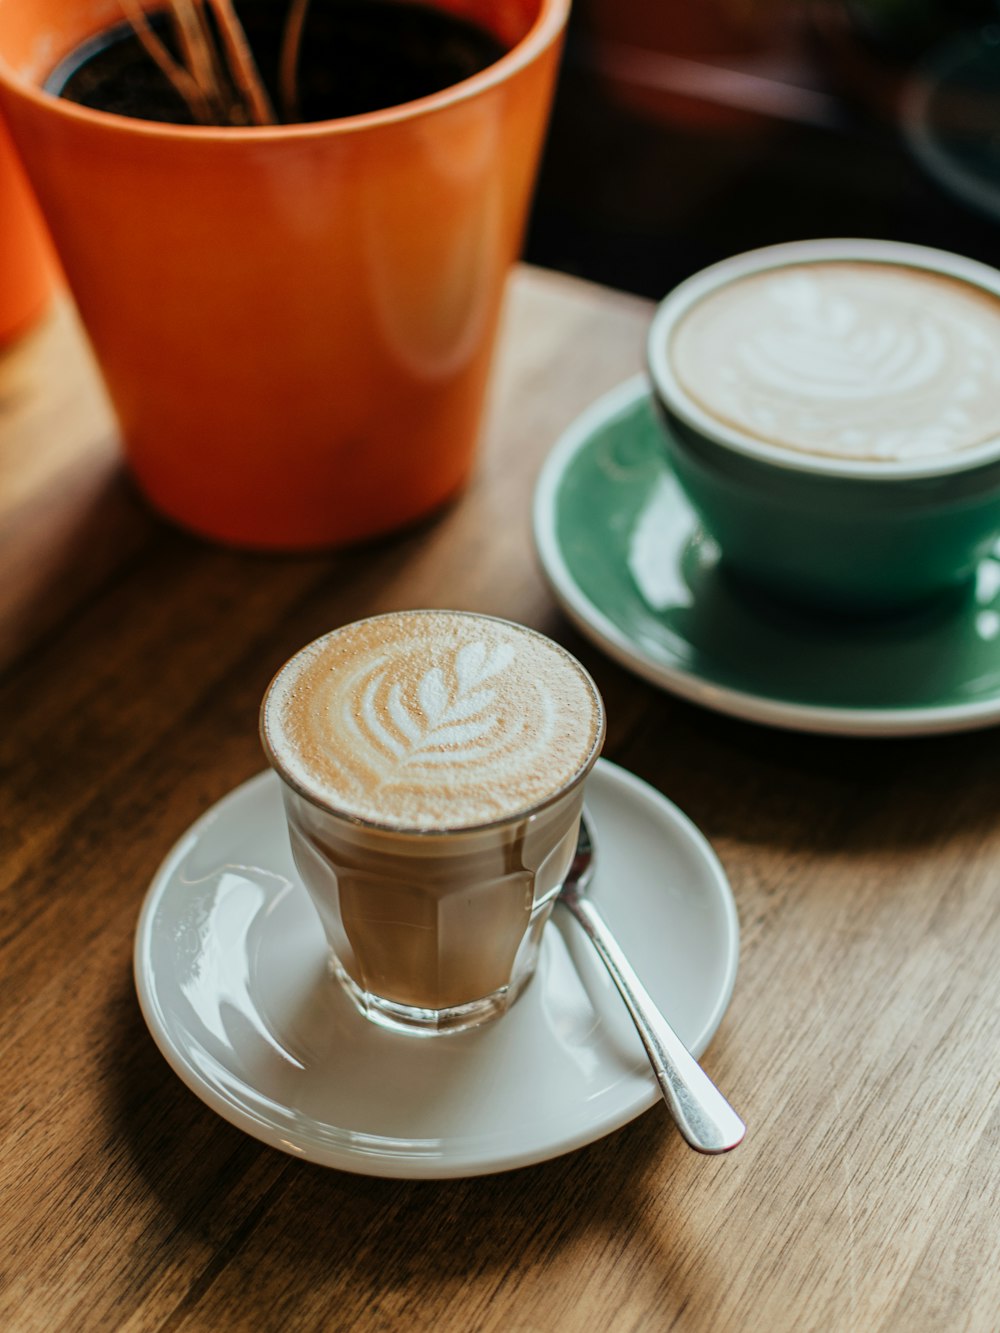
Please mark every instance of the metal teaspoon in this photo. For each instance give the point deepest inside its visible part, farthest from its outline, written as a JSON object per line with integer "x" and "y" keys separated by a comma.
{"x": 703, "y": 1116}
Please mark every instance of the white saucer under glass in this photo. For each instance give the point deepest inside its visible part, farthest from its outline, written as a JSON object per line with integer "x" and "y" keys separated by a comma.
{"x": 231, "y": 971}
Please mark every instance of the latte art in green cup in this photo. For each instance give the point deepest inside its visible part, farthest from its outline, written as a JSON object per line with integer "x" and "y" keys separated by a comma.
{"x": 832, "y": 411}
{"x": 848, "y": 360}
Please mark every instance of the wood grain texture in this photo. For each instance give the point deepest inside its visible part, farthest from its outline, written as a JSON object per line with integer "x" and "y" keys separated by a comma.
{"x": 862, "y": 1041}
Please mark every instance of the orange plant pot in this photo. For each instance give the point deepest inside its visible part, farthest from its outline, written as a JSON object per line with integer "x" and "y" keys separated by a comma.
{"x": 26, "y": 264}
{"x": 295, "y": 323}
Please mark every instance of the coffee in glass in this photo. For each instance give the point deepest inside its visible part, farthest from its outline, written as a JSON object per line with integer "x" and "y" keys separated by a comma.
{"x": 432, "y": 767}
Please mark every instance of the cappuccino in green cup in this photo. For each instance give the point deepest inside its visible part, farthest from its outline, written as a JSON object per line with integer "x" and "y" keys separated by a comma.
{"x": 833, "y": 414}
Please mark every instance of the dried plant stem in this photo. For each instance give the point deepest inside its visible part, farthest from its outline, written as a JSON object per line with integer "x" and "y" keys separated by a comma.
{"x": 184, "y": 82}
{"x": 241, "y": 63}
{"x": 199, "y": 54}
{"x": 291, "y": 43}
{"x": 220, "y": 86}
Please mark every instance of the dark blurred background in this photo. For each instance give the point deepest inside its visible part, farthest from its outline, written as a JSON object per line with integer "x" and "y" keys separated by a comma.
{"x": 687, "y": 130}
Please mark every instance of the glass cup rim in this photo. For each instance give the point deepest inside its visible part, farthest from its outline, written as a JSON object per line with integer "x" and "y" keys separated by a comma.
{"x": 790, "y": 254}
{"x": 453, "y": 830}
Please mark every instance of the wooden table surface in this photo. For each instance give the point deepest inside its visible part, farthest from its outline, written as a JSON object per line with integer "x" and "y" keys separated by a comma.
{"x": 862, "y": 1044}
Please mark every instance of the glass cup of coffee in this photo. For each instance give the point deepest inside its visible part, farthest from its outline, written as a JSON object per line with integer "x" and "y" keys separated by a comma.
{"x": 432, "y": 766}
{"x": 832, "y": 411}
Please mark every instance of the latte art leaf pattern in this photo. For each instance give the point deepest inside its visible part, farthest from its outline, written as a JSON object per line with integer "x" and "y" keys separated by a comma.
{"x": 428, "y": 719}
{"x": 450, "y": 725}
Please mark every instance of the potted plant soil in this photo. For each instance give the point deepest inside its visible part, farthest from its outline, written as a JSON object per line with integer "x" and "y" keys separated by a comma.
{"x": 292, "y": 283}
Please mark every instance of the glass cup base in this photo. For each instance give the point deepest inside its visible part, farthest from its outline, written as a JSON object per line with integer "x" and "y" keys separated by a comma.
{"x": 428, "y": 1022}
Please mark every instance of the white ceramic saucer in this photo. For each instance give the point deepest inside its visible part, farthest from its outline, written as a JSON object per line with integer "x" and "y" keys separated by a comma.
{"x": 230, "y": 967}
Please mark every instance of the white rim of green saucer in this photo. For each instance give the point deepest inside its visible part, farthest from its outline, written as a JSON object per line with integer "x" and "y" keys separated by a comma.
{"x": 592, "y": 622}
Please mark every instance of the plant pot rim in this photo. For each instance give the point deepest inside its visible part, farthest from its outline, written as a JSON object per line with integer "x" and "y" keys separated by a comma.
{"x": 549, "y": 23}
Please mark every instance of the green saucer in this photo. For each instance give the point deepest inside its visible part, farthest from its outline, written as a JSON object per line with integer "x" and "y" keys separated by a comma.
{"x": 629, "y": 565}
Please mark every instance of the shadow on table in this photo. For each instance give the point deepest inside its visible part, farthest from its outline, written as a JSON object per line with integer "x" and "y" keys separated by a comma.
{"x": 251, "y": 1224}
{"x": 63, "y": 547}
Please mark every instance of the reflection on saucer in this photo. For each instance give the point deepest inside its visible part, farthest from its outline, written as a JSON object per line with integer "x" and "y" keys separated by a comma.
{"x": 223, "y": 912}
{"x": 629, "y": 564}
{"x": 658, "y": 549}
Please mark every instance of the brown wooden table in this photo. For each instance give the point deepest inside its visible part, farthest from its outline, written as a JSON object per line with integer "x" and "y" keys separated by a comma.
{"x": 863, "y": 1040}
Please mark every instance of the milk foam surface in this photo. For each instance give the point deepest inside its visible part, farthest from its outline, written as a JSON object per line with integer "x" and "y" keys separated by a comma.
{"x": 855, "y": 360}
{"x": 432, "y": 720}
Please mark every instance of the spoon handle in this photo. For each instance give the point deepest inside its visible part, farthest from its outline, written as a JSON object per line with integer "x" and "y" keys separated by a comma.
{"x": 704, "y": 1117}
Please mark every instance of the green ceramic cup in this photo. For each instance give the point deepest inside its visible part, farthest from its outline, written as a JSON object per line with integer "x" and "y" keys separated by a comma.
{"x": 859, "y": 536}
